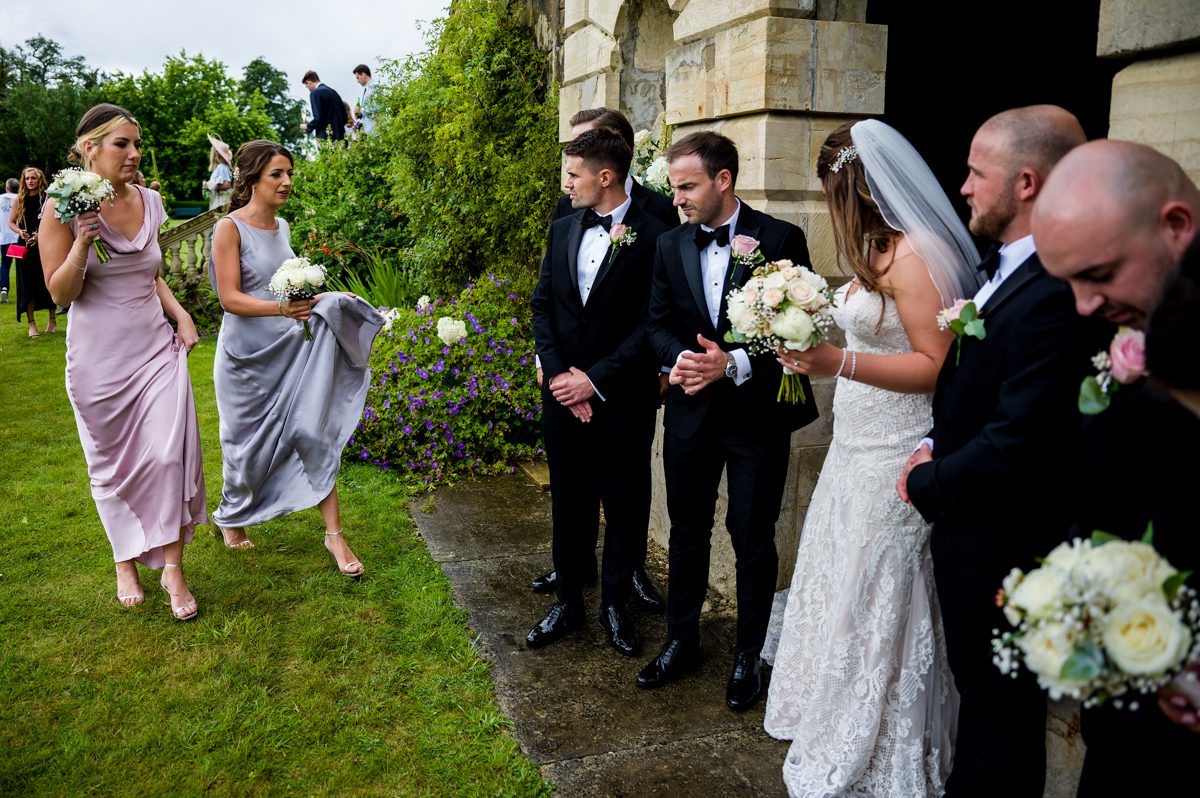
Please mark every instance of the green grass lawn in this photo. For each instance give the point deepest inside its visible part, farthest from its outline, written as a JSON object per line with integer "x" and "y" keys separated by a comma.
{"x": 294, "y": 679}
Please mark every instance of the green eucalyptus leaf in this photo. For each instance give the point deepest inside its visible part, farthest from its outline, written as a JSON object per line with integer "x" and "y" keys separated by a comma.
{"x": 1172, "y": 584}
{"x": 975, "y": 329}
{"x": 1100, "y": 538}
{"x": 1092, "y": 398}
{"x": 1148, "y": 537}
{"x": 1085, "y": 663}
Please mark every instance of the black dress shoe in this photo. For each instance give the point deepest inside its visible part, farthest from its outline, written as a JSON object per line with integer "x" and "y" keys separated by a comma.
{"x": 622, "y": 634}
{"x": 745, "y": 683}
{"x": 676, "y": 658}
{"x": 546, "y": 583}
{"x": 561, "y": 619}
{"x": 646, "y": 592}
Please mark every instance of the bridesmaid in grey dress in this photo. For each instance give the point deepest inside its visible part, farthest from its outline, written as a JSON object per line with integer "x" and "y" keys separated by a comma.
{"x": 287, "y": 405}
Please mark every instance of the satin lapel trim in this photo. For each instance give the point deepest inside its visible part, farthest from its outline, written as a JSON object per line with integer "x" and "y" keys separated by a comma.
{"x": 573, "y": 240}
{"x": 737, "y": 275}
{"x": 1016, "y": 281}
{"x": 690, "y": 255}
{"x": 633, "y": 221}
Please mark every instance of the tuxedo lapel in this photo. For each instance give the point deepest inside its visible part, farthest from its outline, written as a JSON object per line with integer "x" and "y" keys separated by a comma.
{"x": 632, "y": 221}
{"x": 737, "y": 274}
{"x": 690, "y": 257}
{"x": 573, "y": 240}
{"x": 1026, "y": 272}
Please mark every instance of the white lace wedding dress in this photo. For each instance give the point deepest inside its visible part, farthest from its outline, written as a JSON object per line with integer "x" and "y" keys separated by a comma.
{"x": 860, "y": 682}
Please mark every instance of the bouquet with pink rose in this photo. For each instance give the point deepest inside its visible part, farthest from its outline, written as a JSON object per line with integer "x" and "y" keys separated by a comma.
{"x": 781, "y": 306}
{"x": 622, "y": 236}
{"x": 1123, "y": 364}
{"x": 963, "y": 318}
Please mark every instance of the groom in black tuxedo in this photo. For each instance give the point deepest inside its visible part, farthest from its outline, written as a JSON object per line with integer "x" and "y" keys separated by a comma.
{"x": 989, "y": 475}
{"x": 600, "y": 386}
{"x": 1114, "y": 220}
{"x": 722, "y": 413}
{"x": 644, "y": 591}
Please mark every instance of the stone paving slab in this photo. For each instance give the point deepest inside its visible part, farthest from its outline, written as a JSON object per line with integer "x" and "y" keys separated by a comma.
{"x": 574, "y": 704}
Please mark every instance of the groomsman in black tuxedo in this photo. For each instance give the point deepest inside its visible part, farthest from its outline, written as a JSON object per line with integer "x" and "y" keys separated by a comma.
{"x": 600, "y": 386}
{"x": 645, "y": 592}
{"x": 1114, "y": 220}
{"x": 721, "y": 414}
{"x": 649, "y": 200}
{"x": 989, "y": 475}
{"x": 327, "y": 109}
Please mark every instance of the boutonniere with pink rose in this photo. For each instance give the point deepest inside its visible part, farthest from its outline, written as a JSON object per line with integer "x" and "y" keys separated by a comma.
{"x": 963, "y": 319}
{"x": 745, "y": 251}
{"x": 622, "y": 236}
{"x": 1123, "y": 364}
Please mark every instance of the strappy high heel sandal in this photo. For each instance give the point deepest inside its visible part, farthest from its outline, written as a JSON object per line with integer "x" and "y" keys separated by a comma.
{"x": 349, "y": 570}
{"x": 241, "y": 544}
{"x": 189, "y": 610}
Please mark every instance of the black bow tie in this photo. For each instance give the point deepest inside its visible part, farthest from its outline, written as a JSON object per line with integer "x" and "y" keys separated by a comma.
{"x": 706, "y": 237}
{"x": 591, "y": 219}
{"x": 991, "y": 262}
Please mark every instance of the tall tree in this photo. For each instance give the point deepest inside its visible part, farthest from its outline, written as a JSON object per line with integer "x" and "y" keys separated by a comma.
{"x": 285, "y": 111}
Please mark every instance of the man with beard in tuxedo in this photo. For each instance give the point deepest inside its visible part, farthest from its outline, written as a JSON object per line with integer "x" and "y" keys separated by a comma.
{"x": 722, "y": 413}
{"x": 1114, "y": 220}
{"x": 644, "y": 591}
{"x": 1005, "y": 424}
{"x": 600, "y": 389}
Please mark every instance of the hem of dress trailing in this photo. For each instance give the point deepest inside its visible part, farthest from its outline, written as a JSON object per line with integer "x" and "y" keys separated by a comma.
{"x": 255, "y": 520}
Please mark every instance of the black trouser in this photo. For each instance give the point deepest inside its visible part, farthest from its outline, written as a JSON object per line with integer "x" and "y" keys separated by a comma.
{"x": 756, "y": 469}
{"x": 605, "y": 460}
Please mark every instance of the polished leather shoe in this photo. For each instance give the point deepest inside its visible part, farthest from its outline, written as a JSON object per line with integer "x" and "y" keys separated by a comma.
{"x": 622, "y": 634}
{"x": 745, "y": 683}
{"x": 646, "y": 592}
{"x": 547, "y": 583}
{"x": 561, "y": 619}
{"x": 676, "y": 658}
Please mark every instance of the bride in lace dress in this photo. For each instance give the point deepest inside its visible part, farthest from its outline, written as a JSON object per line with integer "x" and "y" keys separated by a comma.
{"x": 860, "y": 683}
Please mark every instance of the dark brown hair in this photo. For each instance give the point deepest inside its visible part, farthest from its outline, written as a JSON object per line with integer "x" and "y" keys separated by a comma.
{"x": 310, "y": 75}
{"x": 98, "y": 122}
{"x": 858, "y": 226}
{"x": 252, "y": 159}
{"x": 716, "y": 152}
{"x": 601, "y": 148}
{"x": 607, "y": 118}
{"x": 362, "y": 69}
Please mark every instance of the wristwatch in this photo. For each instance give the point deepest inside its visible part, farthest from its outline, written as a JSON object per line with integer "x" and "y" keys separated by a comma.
{"x": 730, "y": 366}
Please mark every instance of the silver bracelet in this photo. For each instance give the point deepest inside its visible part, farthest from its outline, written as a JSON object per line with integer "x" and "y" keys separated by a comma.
{"x": 853, "y": 365}
{"x": 843, "y": 363}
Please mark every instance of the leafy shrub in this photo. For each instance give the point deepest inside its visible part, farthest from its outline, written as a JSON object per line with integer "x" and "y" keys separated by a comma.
{"x": 382, "y": 283}
{"x": 437, "y": 410}
{"x": 198, "y": 298}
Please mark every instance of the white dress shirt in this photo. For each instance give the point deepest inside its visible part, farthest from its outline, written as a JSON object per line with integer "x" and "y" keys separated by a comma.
{"x": 714, "y": 265}
{"x": 594, "y": 249}
{"x": 1012, "y": 255}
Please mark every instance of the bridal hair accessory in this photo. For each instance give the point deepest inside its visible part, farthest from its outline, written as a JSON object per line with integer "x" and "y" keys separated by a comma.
{"x": 845, "y": 156}
{"x": 237, "y": 174}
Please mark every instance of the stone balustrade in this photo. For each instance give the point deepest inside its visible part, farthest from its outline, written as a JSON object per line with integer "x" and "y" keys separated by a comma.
{"x": 186, "y": 248}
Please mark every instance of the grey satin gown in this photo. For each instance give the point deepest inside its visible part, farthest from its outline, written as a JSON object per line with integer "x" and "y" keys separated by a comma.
{"x": 287, "y": 406}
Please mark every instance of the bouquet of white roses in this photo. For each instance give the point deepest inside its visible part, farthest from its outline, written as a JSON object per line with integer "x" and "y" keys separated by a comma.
{"x": 1100, "y": 618}
{"x": 297, "y": 278}
{"x": 648, "y": 166}
{"x": 782, "y": 305}
{"x": 657, "y": 178}
{"x": 76, "y": 191}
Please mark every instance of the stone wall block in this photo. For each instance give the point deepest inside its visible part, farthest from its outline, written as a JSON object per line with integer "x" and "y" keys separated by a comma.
{"x": 1157, "y": 103}
{"x": 703, "y": 18}
{"x": 589, "y": 51}
{"x": 604, "y": 14}
{"x": 603, "y": 89}
{"x": 688, "y": 87}
{"x": 1136, "y": 26}
{"x": 851, "y": 67}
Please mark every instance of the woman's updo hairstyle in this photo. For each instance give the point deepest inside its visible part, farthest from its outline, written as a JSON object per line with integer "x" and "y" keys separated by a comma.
{"x": 251, "y": 161}
{"x": 98, "y": 122}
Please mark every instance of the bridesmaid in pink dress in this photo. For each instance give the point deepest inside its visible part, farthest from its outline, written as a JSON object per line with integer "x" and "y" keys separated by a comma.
{"x": 127, "y": 375}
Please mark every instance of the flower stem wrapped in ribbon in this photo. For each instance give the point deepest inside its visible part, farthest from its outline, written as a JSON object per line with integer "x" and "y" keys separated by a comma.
{"x": 1099, "y": 619}
{"x": 781, "y": 306}
{"x": 963, "y": 318}
{"x": 298, "y": 278}
{"x": 76, "y": 191}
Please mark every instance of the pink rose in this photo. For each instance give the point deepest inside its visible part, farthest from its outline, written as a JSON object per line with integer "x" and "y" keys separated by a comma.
{"x": 1128, "y": 354}
{"x": 743, "y": 245}
{"x": 617, "y": 231}
{"x": 954, "y": 310}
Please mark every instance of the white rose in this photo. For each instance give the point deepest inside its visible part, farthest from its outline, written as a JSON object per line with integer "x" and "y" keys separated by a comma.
{"x": 1041, "y": 592}
{"x": 641, "y": 138}
{"x": 1046, "y": 649}
{"x": 772, "y": 297}
{"x": 784, "y": 265}
{"x": 1067, "y": 555}
{"x": 1010, "y": 584}
{"x": 657, "y": 173}
{"x": 451, "y": 330}
{"x": 314, "y": 276}
{"x": 1145, "y": 637}
{"x": 795, "y": 327}
{"x": 800, "y": 292}
{"x": 1133, "y": 568}
{"x": 812, "y": 278}
{"x": 789, "y": 272}
{"x": 774, "y": 280}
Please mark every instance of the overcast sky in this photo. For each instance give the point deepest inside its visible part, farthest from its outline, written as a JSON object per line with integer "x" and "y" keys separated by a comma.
{"x": 294, "y": 36}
